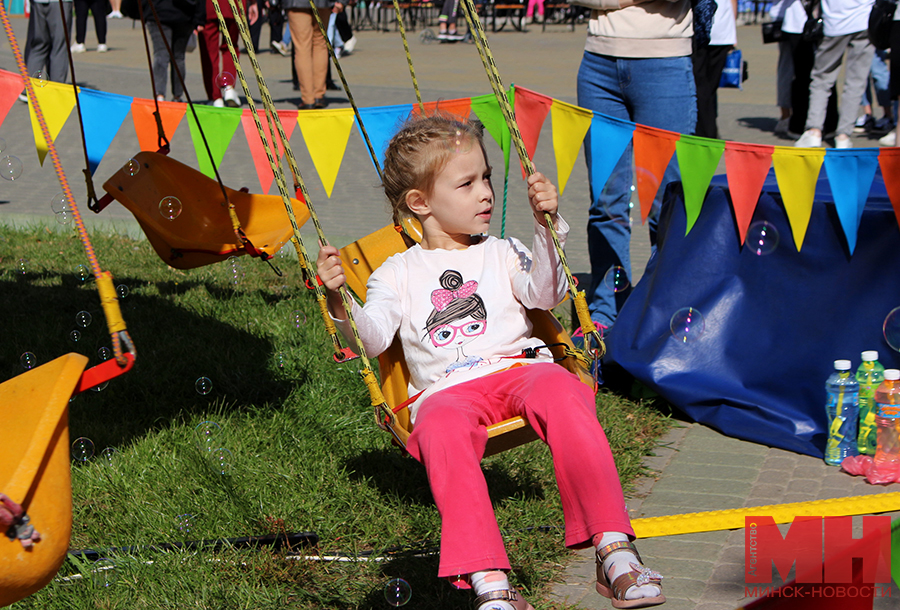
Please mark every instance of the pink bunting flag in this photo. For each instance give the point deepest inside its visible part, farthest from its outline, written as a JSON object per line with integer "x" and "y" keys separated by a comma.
{"x": 653, "y": 149}
{"x": 889, "y": 160}
{"x": 532, "y": 109}
{"x": 746, "y": 166}
{"x": 10, "y": 87}
{"x": 254, "y": 143}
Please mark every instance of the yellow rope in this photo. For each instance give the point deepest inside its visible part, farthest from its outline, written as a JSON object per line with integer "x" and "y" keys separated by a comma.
{"x": 412, "y": 71}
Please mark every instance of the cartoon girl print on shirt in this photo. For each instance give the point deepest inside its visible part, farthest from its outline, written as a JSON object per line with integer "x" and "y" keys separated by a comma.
{"x": 459, "y": 317}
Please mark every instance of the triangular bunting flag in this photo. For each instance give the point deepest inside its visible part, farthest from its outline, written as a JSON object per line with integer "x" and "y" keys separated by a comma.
{"x": 56, "y": 101}
{"x": 381, "y": 123}
{"x": 487, "y": 109}
{"x": 702, "y": 156}
{"x": 145, "y": 123}
{"x": 102, "y": 115}
{"x": 797, "y": 171}
{"x": 10, "y": 87}
{"x": 850, "y": 174}
{"x": 746, "y": 166}
{"x": 570, "y": 126}
{"x": 460, "y": 108}
{"x": 219, "y": 125}
{"x": 531, "y": 112}
{"x": 889, "y": 160}
{"x": 610, "y": 138}
{"x": 653, "y": 149}
{"x": 257, "y": 150}
{"x": 326, "y": 133}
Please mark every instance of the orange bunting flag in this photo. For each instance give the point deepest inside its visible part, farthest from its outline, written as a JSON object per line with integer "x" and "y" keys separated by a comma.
{"x": 142, "y": 111}
{"x": 326, "y": 133}
{"x": 254, "y": 143}
{"x": 653, "y": 149}
{"x": 459, "y": 108}
{"x": 701, "y": 156}
{"x": 570, "y": 126}
{"x": 889, "y": 160}
{"x": 531, "y": 112}
{"x": 797, "y": 170}
{"x": 10, "y": 88}
{"x": 56, "y": 101}
{"x": 747, "y": 166}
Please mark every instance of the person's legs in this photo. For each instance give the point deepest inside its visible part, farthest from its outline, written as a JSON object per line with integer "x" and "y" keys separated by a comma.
{"x": 785, "y": 76}
{"x": 881, "y": 80}
{"x": 208, "y": 43}
{"x": 824, "y": 74}
{"x": 59, "y": 54}
{"x": 301, "y": 26}
{"x": 227, "y": 61}
{"x": 320, "y": 59}
{"x": 38, "y": 52}
{"x": 856, "y": 75}
{"x": 708, "y": 62}
{"x": 160, "y": 56}
{"x": 180, "y": 37}
{"x": 81, "y": 16}
{"x": 98, "y": 10}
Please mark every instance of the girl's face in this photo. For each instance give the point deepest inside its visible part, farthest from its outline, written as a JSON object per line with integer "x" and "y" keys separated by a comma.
{"x": 460, "y": 203}
{"x": 457, "y": 334}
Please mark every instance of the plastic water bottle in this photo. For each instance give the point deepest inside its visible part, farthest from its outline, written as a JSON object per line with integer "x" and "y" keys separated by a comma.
{"x": 843, "y": 413}
{"x": 887, "y": 422}
{"x": 869, "y": 375}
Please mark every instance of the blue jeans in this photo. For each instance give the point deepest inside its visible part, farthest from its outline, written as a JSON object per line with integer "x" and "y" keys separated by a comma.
{"x": 657, "y": 92}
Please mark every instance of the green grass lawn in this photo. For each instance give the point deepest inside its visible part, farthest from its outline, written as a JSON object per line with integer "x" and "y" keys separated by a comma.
{"x": 301, "y": 451}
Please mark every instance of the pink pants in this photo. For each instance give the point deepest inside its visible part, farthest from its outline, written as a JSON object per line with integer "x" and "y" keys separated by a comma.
{"x": 449, "y": 439}
{"x": 531, "y": 4}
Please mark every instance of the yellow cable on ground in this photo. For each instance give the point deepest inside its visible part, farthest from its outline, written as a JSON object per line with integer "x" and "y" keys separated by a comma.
{"x": 691, "y": 523}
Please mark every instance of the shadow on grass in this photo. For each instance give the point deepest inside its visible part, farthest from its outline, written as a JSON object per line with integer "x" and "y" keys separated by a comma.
{"x": 175, "y": 347}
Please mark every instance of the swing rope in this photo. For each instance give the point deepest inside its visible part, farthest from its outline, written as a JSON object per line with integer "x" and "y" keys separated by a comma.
{"x": 487, "y": 59}
{"x": 412, "y": 71}
{"x": 118, "y": 331}
{"x": 382, "y": 410}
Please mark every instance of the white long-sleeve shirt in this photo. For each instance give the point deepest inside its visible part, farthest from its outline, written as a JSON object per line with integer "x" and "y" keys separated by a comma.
{"x": 469, "y": 326}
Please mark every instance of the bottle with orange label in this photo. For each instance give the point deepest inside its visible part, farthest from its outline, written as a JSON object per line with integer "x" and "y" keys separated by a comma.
{"x": 887, "y": 422}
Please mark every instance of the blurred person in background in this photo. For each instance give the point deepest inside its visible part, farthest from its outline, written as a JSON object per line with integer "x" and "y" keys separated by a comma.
{"x": 98, "y": 9}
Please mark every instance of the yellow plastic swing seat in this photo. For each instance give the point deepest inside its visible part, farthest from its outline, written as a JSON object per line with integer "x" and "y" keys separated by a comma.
{"x": 202, "y": 233}
{"x": 365, "y": 255}
{"x": 34, "y": 471}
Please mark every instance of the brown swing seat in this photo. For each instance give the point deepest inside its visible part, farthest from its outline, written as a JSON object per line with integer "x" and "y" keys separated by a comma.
{"x": 365, "y": 255}
{"x": 202, "y": 233}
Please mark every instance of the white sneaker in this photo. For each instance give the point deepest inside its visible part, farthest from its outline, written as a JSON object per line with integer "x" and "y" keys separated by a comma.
{"x": 350, "y": 45}
{"x": 231, "y": 97}
{"x": 809, "y": 140}
{"x": 78, "y": 48}
{"x": 843, "y": 141}
{"x": 889, "y": 140}
{"x": 281, "y": 48}
{"x": 219, "y": 103}
{"x": 24, "y": 99}
{"x": 102, "y": 48}
{"x": 115, "y": 15}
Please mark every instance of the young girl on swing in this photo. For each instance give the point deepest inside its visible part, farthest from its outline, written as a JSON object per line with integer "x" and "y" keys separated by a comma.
{"x": 458, "y": 301}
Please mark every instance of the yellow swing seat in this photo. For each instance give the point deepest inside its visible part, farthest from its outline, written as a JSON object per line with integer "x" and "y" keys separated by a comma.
{"x": 202, "y": 233}
{"x": 34, "y": 471}
{"x": 360, "y": 259}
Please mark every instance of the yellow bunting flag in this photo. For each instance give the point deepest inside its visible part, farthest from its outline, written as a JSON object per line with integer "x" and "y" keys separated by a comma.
{"x": 326, "y": 133}
{"x": 57, "y": 101}
{"x": 797, "y": 171}
{"x": 570, "y": 125}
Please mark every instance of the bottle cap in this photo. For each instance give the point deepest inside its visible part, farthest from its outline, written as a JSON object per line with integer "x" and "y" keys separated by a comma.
{"x": 892, "y": 374}
{"x": 842, "y": 365}
{"x": 870, "y": 356}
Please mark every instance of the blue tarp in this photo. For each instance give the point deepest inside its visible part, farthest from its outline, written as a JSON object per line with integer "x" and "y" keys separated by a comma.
{"x": 773, "y": 325}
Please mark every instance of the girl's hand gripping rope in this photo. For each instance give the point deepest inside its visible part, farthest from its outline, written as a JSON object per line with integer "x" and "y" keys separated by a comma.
{"x": 543, "y": 197}
{"x": 331, "y": 274}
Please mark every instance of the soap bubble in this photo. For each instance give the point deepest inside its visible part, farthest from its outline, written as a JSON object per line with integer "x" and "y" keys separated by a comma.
{"x": 687, "y": 324}
{"x": 619, "y": 184}
{"x": 75, "y": 336}
{"x": 762, "y": 238}
{"x": 286, "y": 250}
{"x": 397, "y": 592}
{"x": 460, "y": 143}
{"x": 221, "y": 459}
{"x": 280, "y": 359}
{"x": 104, "y": 354}
{"x": 122, "y": 291}
{"x": 82, "y": 273}
{"x": 28, "y": 361}
{"x": 22, "y": 266}
{"x": 237, "y": 271}
{"x": 298, "y": 318}
{"x": 225, "y": 79}
{"x": 184, "y": 523}
{"x": 100, "y": 387}
{"x": 103, "y": 572}
{"x": 616, "y": 279}
{"x": 892, "y": 329}
{"x": 64, "y": 217}
{"x": 83, "y": 319}
{"x": 108, "y": 455}
{"x": 132, "y": 167}
{"x": 40, "y": 78}
{"x": 207, "y": 433}
{"x": 59, "y": 203}
{"x": 203, "y": 385}
{"x": 82, "y": 449}
{"x": 10, "y": 167}
{"x": 170, "y": 207}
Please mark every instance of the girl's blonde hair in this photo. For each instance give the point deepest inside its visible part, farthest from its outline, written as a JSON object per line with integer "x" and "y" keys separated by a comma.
{"x": 418, "y": 152}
